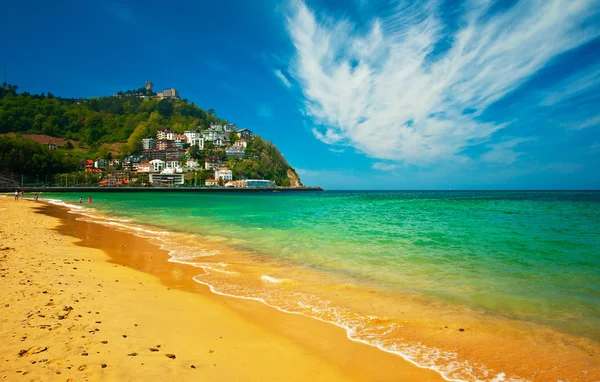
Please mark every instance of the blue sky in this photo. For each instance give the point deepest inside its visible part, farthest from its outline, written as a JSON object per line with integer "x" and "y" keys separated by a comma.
{"x": 357, "y": 94}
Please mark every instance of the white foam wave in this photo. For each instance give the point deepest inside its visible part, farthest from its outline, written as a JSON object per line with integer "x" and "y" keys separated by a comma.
{"x": 361, "y": 329}
{"x": 271, "y": 279}
{"x": 358, "y": 328}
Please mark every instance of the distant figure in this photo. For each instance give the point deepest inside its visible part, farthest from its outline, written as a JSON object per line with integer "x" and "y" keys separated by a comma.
{"x": 16, "y": 195}
{"x": 36, "y": 197}
{"x": 90, "y": 199}
{"x": 81, "y": 199}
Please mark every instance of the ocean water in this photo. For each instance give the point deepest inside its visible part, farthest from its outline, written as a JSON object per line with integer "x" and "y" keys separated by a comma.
{"x": 366, "y": 260}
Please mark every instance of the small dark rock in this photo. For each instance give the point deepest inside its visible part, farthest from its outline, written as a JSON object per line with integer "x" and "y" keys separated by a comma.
{"x": 22, "y": 353}
{"x": 461, "y": 330}
{"x": 103, "y": 365}
{"x": 193, "y": 367}
{"x": 153, "y": 349}
{"x": 172, "y": 356}
{"x": 132, "y": 354}
{"x": 211, "y": 351}
{"x": 124, "y": 335}
{"x": 104, "y": 342}
{"x": 84, "y": 354}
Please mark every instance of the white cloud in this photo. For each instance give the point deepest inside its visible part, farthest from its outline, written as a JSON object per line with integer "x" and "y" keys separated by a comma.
{"x": 573, "y": 87}
{"x": 381, "y": 91}
{"x": 503, "y": 152}
{"x": 283, "y": 78}
{"x": 384, "y": 166}
{"x": 590, "y": 122}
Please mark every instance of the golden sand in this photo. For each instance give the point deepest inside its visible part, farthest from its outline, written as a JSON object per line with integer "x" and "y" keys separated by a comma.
{"x": 98, "y": 304}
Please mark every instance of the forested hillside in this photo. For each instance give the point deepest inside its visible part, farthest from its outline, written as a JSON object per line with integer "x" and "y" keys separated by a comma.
{"x": 90, "y": 125}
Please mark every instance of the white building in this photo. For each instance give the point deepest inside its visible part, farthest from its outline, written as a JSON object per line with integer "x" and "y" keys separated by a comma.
{"x": 194, "y": 138}
{"x": 172, "y": 164}
{"x": 100, "y": 163}
{"x": 241, "y": 144}
{"x": 166, "y": 180}
{"x": 211, "y": 182}
{"x": 148, "y": 143}
{"x": 236, "y": 184}
{"x": 166, "y": 134}
{"x": 213, "y": 134}
{"x": 192, "y": 163}
{"x": 220, "y": 142}
{"x": 223, "y": 173}
{"x": 157, "y": 165}
{"x": 144, "y": 167}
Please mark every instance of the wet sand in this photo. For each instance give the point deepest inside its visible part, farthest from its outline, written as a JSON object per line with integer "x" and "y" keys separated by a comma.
{"x": 81, "y": 301}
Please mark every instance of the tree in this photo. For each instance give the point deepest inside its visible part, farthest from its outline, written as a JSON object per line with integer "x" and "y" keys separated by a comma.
{"x": 212, "y": 112}
{"x": 165, "y": 108}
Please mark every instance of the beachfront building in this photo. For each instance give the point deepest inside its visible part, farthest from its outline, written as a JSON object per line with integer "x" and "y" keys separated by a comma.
{"x": 166, "y": 180}
{"x": 260, "y": 183}
{"x": 235, "y": 152}
{"x": 236, "y": 184}
{"x": 131, "y": 162}
{"x": 52, "y": 146}
{"x": 144, "y": 167}
{"x": 212, "y": 163}
{"x": 100, "y": 163}
{"x": 224, "y": 173}
{"x": 157, "y": 165}
{"x": 211, "y": 182}
{"x": 148, "y": 143}
{"x": 245, "y": 134}
{"x": 172, "y": 164}
{"x": 165, "y": 133}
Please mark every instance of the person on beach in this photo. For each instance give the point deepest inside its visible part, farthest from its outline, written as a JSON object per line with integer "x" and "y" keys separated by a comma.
{"x": 36, "y": 197}
{"x": 81, "y": 199}
{"x": 16, "y": 195}
{"x": 90, "y": 199}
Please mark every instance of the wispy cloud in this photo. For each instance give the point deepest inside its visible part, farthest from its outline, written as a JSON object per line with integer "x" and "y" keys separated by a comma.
{"x": 393, "y": 94}
{"x": 384, "y": 166}
{"x": 264, "y": 111}
{"x": 503, "y": 152}
{"x": 590, "y": 122}
{"x": 283, "y": 78}
{"x": 338, "y": 151}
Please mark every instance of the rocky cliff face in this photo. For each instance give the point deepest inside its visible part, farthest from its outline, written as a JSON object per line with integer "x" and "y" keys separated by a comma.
{"x": 294, "y": 179}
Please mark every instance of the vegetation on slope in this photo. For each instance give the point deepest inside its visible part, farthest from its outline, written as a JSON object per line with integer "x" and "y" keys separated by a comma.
{"x": 126, "y": 117}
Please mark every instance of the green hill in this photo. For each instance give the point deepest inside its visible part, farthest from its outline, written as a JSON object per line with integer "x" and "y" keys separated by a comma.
{"x": 93, "y": 128}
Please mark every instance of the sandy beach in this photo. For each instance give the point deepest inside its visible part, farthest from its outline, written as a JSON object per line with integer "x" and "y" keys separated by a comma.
{"x": 80, "y": 301}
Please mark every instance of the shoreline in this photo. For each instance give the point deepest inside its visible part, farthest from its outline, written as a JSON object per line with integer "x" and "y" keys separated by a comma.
{"x": 268, "y": 344}
{"x": 33, "y": 189}
{"x": 491, "y": 347}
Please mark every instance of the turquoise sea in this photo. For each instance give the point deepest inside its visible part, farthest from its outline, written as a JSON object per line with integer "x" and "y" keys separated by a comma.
{"x": 532, "y": 257}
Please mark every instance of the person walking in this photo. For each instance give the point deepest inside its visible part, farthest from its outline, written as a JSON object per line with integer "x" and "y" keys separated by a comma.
{"x": 16, "y": 195}
{"x": 90, "y": 199}
{"x": 80, "y": 199}
{"x": 36, "y": 197}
